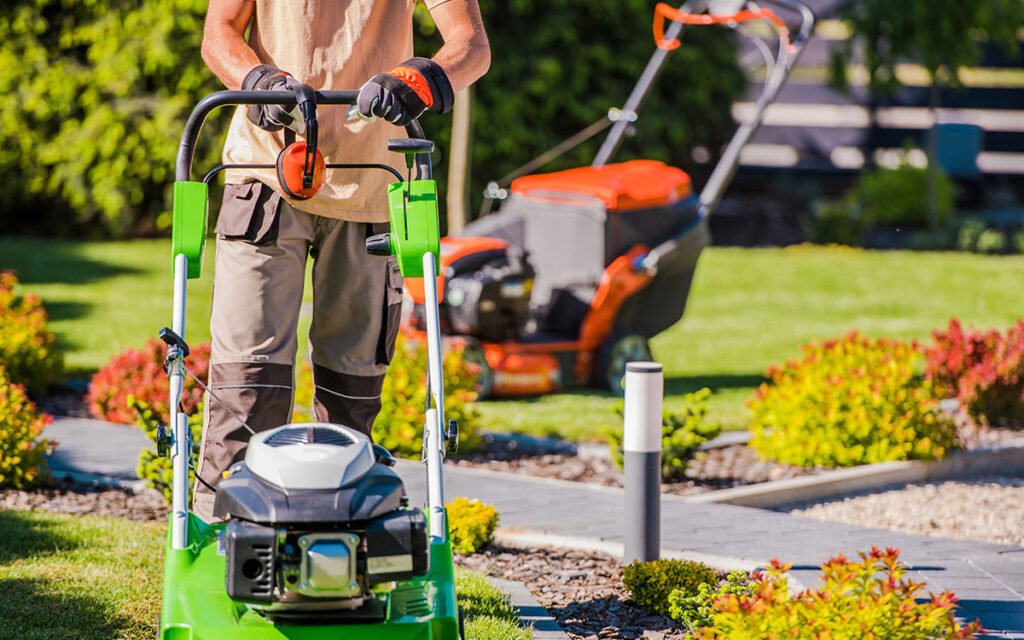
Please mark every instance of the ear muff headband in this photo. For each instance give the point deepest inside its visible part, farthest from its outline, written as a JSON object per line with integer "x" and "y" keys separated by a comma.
{"x": 300, "y": 165}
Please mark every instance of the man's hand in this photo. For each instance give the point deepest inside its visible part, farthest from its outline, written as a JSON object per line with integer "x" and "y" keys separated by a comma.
{"x": 406, "y": 92}
{"x": 272, "y": 117}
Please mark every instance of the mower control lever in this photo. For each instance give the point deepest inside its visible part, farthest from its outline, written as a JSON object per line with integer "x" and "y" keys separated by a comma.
{"x": 175, "y": 343}
{"x": 452, "y": 437}
{"x": 163, "y": 441}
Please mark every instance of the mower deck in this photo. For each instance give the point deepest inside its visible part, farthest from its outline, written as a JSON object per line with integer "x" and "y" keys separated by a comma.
{"x": 196, "y": 606}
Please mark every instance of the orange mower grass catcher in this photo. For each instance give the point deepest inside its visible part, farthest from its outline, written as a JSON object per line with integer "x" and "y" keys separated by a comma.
{"x": 578, "y": 270}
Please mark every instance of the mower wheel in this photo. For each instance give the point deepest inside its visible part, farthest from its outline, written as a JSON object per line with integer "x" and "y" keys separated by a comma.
{"x": 462, "y": 624}
{"x": 473, "y": 354}
{"x": 610, "y": 371}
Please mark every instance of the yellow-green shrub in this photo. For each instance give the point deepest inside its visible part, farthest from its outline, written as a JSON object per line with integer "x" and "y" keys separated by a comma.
{"x": 22, "y": 452}
{"x": 682, "y": 434}
{"x": 847, "y": 402}
{"x": 651, "y": 583}
{"x": 471, "y": 524}
{"x": 696, "y": 611}
{"x": 865, "y": 599}
{"x": 399, "y": 426}
{"x": 28, "y": 351}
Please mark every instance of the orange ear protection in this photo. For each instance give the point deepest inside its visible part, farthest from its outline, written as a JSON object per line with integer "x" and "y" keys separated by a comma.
{"x": 301, "y": 167}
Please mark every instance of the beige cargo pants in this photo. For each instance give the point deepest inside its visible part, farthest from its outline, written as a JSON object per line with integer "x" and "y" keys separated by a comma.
{"x": 262, "y": 246}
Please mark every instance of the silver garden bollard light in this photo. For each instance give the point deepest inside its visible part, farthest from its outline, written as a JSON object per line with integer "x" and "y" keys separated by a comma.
{"x": 641, "y": 444}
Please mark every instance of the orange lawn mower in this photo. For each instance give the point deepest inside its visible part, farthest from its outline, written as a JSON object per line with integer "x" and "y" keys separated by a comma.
{"x": 579, "y": 269}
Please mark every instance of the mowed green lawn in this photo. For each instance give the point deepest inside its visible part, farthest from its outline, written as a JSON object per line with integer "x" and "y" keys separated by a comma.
{"x": 748, "y": 308}
{"x": 68, "y": 577}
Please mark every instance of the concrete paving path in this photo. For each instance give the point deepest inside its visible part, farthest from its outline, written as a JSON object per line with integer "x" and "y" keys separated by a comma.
{"x": 987, "y": 578}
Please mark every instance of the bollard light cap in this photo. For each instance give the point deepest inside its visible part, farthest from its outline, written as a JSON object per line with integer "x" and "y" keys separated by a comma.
{"x": 643, "y": 367}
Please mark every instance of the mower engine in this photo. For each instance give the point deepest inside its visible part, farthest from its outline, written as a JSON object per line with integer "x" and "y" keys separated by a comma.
{"x": 486, "y": 288}
{"x": 317, "y": 521}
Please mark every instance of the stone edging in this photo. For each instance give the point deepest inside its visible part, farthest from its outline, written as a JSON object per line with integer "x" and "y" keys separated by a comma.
{"x": 531, "y": 614}
{"x": 1007, "y": 459}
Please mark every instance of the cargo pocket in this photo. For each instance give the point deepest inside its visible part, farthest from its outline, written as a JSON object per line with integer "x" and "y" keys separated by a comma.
{"x": 250, "y": 213}
{"x": 394, "y": 287}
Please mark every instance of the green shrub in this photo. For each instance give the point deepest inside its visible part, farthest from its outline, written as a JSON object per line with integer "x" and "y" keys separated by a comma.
{"x": 696, "y": 611}
{"x": 651, "y": 583}
{"x": 399, "y": 426}
{"x": 28, "y": 351}
{"x": 847, "y": 402}
{"x": 866, "y": 599}
{"x": 991, "y": 241}
{"x": 682, "y": 434}
{"x": 838, "y": 222}
{"x": 22, "y": 451}
{"x": 471, "y": 524}
{"x": 899, "y": 197}
{"x": 969, "y": 233}
{"x": 156, "y": 471}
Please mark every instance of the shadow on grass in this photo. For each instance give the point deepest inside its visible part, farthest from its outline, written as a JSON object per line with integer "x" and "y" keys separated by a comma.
{"x": 22, "y": 535}
{"x": 37, "y": 261}
{"x": 36, "y": 609}
{"x": 677, "y": 385}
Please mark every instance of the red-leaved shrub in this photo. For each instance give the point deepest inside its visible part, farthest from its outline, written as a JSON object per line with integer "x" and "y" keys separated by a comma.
{"x": 984, "y": 370}
{"x": 140, "y": 373}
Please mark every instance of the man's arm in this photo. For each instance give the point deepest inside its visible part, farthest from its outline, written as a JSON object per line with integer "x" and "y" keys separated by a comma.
{"x": 224, "y": 48}
{"x": 466, "y": 54}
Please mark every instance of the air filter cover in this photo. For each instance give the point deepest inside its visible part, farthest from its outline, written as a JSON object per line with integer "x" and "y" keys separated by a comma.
{"x": 313, "y": 455}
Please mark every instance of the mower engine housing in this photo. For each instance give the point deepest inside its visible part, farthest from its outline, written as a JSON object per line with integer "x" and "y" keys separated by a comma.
{"x": 316, "y": 519}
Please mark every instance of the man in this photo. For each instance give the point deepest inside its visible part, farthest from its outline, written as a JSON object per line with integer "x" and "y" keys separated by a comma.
{"x": 264, "y": 238}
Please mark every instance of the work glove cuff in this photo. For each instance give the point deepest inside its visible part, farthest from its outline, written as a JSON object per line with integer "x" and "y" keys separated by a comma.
{"x": 440, "y": 87}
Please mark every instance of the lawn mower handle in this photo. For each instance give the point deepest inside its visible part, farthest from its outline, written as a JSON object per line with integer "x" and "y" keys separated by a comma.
{"x": 186, "y": 150}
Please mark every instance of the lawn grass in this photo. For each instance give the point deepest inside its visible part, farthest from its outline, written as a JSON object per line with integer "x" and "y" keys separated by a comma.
{"x": 748, "y": 308}
{"x": 88, "y": 578}
{"x": 83, "y": 578}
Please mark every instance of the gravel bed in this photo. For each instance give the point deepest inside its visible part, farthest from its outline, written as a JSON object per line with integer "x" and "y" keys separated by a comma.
{"x": 986, "y": 509}
{"x": 721, "y": 468}
{"x": 731, "y": 466}
{"x": 78, "y": 500}
{"x": 581, "y": 589}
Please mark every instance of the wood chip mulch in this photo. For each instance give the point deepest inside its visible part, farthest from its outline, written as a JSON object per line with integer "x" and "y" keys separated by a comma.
{"x": 582, "y": 590}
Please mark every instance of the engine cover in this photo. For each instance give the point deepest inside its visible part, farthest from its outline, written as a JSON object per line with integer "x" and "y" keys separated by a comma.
{"x": 308, "y": 473}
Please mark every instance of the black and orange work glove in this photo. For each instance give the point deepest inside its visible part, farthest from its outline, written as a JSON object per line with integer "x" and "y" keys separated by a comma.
{"x": 406, "y": 92}
{"x": 272, "y": 117}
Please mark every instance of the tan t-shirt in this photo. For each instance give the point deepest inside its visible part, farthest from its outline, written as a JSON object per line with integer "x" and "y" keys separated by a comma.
{"x": 336, "y": 45}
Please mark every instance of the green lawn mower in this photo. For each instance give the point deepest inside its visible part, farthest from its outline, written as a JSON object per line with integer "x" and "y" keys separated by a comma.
{"x": 318, "y": 539}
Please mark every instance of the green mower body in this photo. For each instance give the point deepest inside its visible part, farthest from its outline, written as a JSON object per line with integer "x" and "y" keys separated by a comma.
{"x": 196, "y": 605}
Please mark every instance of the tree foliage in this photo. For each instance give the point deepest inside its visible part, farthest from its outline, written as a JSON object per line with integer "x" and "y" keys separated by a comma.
{"x": 93, "y": 98}
{"x": 94, "y": 95}
{"x": 943, "y": 36}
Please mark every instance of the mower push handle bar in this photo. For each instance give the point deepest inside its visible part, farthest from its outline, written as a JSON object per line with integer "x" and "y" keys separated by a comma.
{"x": 187, "y": 147}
